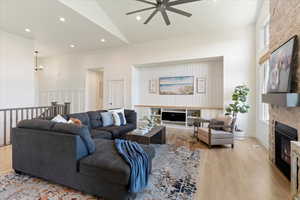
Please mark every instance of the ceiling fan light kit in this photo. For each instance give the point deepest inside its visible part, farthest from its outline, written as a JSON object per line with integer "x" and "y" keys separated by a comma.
{"x": 163, "y": 6}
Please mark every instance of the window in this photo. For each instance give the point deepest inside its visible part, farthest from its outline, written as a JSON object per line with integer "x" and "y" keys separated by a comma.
{"x": 265, "y": 36}
{"x": 263, "y": 82}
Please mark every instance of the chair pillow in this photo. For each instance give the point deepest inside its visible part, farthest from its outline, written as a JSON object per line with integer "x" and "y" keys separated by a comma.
{"x": 107, "y": 119}
{"x": 120, "y": 110}
{"x": 83, "y": 117}
{"x": 118, "y": 119}
{"x": 59, "y": 119}
{"x": 227, "y": 119}
{"x": 216, "y": 123}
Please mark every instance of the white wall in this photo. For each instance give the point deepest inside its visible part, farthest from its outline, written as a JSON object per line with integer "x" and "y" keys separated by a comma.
{"x": 17, "y": 77}
{"x": 236, "y": 46}
{"x": 262, "y": 127}
{"x": 211, "y": 70}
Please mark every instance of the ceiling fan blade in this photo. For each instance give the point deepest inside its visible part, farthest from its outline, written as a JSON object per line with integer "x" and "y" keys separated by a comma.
{"x": 165, "y": 16}
{"x": 174, "y": 3}
{"x": 148, "y": 2}
{"x": 137, "y": 11}
{"x": 181, "y": 12}
{"x": 151, "y": 16}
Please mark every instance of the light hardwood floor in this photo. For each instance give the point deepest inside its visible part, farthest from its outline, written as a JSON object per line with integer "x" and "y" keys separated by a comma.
{"x": 242, "y": 173}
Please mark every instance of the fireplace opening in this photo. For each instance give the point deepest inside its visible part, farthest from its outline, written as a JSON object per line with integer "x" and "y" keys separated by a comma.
{"x": 283, "y": 136}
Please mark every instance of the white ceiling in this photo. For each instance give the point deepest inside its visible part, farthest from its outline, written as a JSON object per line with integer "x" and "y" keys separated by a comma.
{"x": 85, "y": 29}
{"x": 208, "y": 15}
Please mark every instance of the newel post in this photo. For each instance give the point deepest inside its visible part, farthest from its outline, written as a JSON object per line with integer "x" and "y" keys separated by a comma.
{"x": 54, "y": 108}
{"x": 67, "y": 108}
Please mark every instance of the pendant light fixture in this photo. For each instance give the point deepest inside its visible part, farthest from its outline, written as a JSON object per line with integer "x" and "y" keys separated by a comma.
{"x": 36, "y": 66}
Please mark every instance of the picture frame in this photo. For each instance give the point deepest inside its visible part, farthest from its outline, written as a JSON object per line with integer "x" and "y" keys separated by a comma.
{"x": 282, "y": 63}
{"x": 177, "y": 85}
{"x": 152, "y": 86}
{"x": 201, "y": 85}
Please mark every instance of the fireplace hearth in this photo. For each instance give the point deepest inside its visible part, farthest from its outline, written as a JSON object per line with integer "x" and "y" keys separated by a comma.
{"x": 283, "y": 136}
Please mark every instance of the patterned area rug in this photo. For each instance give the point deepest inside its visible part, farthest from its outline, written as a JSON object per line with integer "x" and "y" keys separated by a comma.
{"x": 174, "y": 176}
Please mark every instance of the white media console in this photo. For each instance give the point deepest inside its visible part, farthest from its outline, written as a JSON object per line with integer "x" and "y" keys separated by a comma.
{"x": 177, "y": 115}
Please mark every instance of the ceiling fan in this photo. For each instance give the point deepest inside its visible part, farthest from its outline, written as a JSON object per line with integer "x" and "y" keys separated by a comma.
{"x": 163, "y": 6}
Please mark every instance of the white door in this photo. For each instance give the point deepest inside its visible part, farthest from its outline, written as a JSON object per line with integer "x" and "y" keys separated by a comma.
{"x": 116, "y": 94}
{"x": 94, "y": 88}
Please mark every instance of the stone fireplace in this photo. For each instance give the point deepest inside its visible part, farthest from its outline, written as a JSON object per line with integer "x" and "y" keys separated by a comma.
{"x": 284, "y": 24}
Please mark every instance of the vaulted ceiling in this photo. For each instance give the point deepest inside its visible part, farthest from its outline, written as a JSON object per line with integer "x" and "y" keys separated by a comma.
{"x": 88, "y": 22}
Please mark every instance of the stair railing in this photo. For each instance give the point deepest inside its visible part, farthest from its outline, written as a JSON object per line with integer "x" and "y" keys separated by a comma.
{"x": 10, "y": 117}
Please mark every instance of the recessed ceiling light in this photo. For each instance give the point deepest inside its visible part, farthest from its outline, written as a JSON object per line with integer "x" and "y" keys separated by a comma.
{"x": 138, "y": 18}
{"x": 27, "y": 30}
{"x": 72, "y": 45}
{"x": 62, "y": 19}
{"x": 103, "y": 40}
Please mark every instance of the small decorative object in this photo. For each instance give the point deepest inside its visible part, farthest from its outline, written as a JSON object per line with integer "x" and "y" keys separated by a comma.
{"x": 201, "y": 85}
{"x": 239, "y": 104}
{"x": 152, "y": 86}
{"x": 281, "y": 67}
{"x": 180, "y": 85}
{"x": 150, "y": 122}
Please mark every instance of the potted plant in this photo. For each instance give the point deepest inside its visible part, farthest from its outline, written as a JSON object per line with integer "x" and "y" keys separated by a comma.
{"x": 239, "y": 103}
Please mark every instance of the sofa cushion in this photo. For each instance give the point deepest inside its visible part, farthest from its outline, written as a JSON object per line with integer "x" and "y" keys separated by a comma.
{"x": 82, "y": 131}
{"x": 131, "y": 117}
{"x": 107, "y": 118}
{"x": 99, "y": 134}
{"x": 106, "y": 163}
{"x": 38, "y": 124}
{"x": 95, "y": 119}
{"x": 83, "y": 117}
{"x": 118, "y": 131}
{"x": 220, "y": 134}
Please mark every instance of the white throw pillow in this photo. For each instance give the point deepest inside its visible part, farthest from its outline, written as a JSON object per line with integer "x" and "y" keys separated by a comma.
{"x": 117, "y": 120}
{"x": 120, "y": 110}
{"x": 59, "y": 119}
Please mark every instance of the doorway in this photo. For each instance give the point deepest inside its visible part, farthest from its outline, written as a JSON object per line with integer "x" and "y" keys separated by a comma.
{"x": 94, "y": 90}
{"x": 116, "y": 94}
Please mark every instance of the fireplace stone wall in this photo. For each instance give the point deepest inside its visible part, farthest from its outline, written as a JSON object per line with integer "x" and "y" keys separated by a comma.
{"x": 284, "y": 24}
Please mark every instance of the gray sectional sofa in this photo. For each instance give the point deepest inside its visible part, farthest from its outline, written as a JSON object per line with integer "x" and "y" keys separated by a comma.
{"x": 67, "y": 155}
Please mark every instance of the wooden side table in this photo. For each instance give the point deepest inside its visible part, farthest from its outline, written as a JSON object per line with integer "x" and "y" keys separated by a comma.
{"x": 155, "y": 136}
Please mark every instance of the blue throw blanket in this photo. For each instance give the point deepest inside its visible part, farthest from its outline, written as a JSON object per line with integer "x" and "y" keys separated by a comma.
{"x": 138, "y": 161}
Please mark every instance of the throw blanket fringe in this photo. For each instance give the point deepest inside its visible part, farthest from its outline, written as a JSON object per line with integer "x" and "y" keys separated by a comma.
{"x": 138, "y": 161}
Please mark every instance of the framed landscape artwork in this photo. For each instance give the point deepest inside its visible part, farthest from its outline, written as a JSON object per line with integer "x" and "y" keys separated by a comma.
{"x": 281, "y": 67}
{"x": 180, "y": 85}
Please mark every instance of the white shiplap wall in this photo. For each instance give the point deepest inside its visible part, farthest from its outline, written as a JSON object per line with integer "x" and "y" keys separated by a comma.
{"x": 74, "y": 96}
{"x": 212, "y": 70}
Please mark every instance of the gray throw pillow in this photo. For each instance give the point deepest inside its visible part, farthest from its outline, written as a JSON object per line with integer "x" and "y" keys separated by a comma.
{"x": 107, "y": 119}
